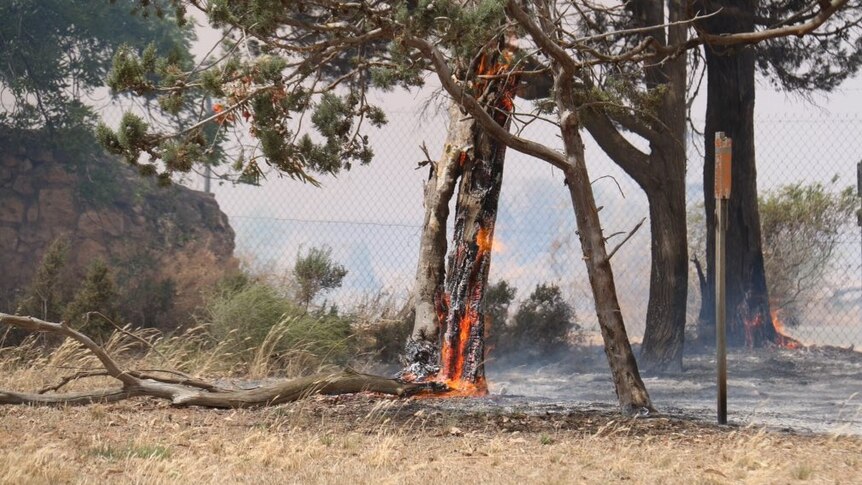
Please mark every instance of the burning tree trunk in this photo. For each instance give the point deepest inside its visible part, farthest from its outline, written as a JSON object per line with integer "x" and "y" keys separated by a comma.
{"x": 730, "y": 108}
{"x": 463, "y": 349}
{"x": 456, "y": 305}
{"x": 422, "y": 351}
{"x": 631, "y": 392}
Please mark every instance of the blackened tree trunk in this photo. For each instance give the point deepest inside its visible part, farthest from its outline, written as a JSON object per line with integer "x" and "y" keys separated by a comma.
{"x": 463, "y": 349}
{"x": 422, "y": 351}
{"x": 457, "y": 356}
{"x": 730, "y": 108}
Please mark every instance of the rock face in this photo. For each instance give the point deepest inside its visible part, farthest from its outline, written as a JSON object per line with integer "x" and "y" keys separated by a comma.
{"x": 173, "y": 242}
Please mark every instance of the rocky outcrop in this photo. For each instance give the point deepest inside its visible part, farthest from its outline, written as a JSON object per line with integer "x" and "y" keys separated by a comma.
{"x": 173, "y": 241}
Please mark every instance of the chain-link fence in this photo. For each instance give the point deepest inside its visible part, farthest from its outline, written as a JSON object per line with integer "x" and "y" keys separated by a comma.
{"x": 371, "y": 218}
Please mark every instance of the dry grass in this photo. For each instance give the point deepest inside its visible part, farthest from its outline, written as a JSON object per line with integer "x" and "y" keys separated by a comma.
{"x": 367, "y": 439}
{"x": 148, "y": 442}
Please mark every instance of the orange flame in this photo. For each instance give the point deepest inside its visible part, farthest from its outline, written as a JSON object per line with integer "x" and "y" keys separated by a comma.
{"x": 783, "y": 339}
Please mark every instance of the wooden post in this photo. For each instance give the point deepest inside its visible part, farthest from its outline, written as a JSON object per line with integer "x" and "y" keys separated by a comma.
{"x": 723, "y": 147}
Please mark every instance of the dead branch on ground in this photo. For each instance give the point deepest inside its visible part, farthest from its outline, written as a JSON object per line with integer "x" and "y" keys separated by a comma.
{"x": 183, "y": 390}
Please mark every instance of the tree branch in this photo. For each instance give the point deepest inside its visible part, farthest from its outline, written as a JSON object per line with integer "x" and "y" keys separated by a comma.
{"x": 193, "y": 392}
{"x": 633, "y": 161}
{"x": 631, "y": 233}
{"x": 798, "y": 30}
{"x": 457, "y": 92}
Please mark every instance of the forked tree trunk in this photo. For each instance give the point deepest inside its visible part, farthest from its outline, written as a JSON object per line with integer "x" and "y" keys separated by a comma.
{"x": 462, "y": 357}
{"x": 730, "y": 108}
{"x": 456, "y": 306}
{"x": 422, "y": 352}
{"x": 631, "y": 392}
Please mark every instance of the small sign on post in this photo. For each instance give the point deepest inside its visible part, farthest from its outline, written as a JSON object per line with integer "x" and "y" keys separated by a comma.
{"x": 723, "y": 150}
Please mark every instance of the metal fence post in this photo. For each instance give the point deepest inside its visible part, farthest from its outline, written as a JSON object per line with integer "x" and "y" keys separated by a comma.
{"x": 723, "y": 147}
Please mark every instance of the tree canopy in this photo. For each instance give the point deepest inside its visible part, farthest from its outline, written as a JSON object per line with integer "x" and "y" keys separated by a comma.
{"x": 54, "y": 54}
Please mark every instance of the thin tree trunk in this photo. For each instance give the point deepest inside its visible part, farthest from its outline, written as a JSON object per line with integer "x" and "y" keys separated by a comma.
{"x": 631, "y": 392}
{"x": 661, "y": 175}
{"x": 422, "y": 351}
{"x": 730, "y": 108}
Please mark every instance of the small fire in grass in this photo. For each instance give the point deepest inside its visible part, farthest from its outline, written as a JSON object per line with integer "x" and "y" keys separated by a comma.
{"x": 782, "y": 338}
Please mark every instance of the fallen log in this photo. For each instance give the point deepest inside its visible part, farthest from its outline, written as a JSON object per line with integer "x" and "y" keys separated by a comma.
{"x": 188, "y": 391}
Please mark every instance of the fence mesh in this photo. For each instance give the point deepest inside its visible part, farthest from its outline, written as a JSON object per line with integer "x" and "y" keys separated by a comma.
{"x": 371, "y": 218}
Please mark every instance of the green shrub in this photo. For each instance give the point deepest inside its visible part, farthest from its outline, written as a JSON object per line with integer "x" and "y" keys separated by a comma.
{"x": 44, "y": 297}
{"x": 498, "y": 299}
{"x": 800, "y": 226}
{"x": 98, "y": 293}
{"x": 542, "y": 323}
{"x": 315, "y": 272}
{"x": 385, "y": 338}
{"x": 544, "y": 320}
{"x": 254, "y": 323}
{"x": 381, "y": 325}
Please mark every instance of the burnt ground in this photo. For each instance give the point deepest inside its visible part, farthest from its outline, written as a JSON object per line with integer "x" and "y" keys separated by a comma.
{"x": 816, "y": 389}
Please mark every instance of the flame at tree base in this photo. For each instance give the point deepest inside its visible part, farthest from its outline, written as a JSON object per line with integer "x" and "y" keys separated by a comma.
{"x": 464, "y": 388}
{"x": 782, "y": 338}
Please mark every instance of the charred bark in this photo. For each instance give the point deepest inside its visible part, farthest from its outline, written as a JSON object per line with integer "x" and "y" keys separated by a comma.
{"x": 190, "y": 391}
{"x": 455, "y": 305}
{"x": 463, "y": 347}
{"x": 730, "y": 108}
{"x": 422, "y": 352}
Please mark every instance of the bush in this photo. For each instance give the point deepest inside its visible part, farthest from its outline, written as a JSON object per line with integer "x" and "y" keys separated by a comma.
{"x": 498, "y": 299}
{"x": 800, "y": 226}
{"x": 382, "y": 325}
{"x": 542, "y": 323}
{"x": 44, "y": 297}
{"x": 315, "y": 272}
{"x": 251, "y": 321}
{"x": 97, "y": 294}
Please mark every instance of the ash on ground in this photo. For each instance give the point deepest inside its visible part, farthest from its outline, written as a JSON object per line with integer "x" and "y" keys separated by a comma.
{"x": 817, "y": 389}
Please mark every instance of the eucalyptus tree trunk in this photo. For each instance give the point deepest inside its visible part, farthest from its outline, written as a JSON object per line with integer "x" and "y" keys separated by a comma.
{"x": 660, "y": 173}
{"x": 422, "y": 351}
{"x": 463, "y": 352}
{"x": 730, "y": 108}
{"x": 456, "y": 305}
{"x": 664, "y": 333}
{"x": 631, "y": 392}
